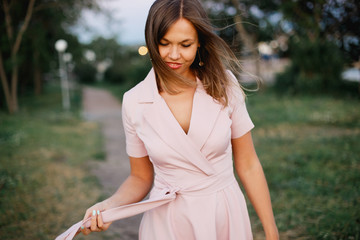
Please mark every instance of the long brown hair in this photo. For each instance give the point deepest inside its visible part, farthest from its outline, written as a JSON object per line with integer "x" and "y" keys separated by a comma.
{"x": 213, "y": 51}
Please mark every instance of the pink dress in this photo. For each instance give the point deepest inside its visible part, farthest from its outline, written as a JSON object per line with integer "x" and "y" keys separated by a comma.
{"x": 198, "y": 165}
{"x": 195, "y": 194}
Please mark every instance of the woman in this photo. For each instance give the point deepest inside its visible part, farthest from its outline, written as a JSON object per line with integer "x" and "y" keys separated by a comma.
{"x": 186, "y": 124}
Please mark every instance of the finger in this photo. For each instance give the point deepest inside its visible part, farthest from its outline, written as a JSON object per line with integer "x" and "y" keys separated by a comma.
{"x": 106, "y": 226}
{"x": 87, "y": 215}
{"x": 100, "y": 222}
{"x": 78, "y": 231}
{"x": 103, "y": 226}
{"x": 85, "y": 231}
{"x": 94, "y": 226}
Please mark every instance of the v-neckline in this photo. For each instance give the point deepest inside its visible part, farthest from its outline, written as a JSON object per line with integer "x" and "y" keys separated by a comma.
{"x": 191, "y": 114}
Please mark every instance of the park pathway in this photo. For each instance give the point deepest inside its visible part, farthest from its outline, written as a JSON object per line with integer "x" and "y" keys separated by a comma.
{"x": 100, "y": 106}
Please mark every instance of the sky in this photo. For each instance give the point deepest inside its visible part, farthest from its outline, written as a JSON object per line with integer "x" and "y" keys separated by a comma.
{"x": 122, "y": 19}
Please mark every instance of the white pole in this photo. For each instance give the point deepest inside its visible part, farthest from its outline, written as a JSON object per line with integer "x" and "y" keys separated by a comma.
{"x": 60, "y": 46}
{"x": 64, "y": 83}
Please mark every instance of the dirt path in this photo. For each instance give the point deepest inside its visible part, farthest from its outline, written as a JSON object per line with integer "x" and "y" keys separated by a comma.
{"x": 100, "y": 106}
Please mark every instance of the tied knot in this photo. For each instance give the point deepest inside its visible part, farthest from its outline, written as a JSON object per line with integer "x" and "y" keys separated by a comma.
{"x": 170, "y": 190}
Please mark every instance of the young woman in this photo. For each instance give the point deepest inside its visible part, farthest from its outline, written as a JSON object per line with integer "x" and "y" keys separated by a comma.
{"x": 186, "y": 127}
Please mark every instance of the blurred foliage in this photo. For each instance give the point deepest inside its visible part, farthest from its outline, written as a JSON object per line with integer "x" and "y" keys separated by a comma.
{"x": 323, "y": 37}
{"x": 85, "y": 72}
{"x": 126, "y": 66}
{"x": 256, "y": 16}
{"x": 316, "y": 67}
{"x": 334, "y": 20}
{"x": 262, "y": 21}
{"x": 322, "y": 42}
{"x": 130, "y": 68}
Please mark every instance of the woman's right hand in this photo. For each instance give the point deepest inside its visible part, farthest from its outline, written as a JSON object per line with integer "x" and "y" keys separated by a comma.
{"x": 141, "y": 179}
{"x": 97, "y": 224}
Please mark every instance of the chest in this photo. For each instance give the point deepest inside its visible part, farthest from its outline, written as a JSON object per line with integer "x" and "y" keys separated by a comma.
{"x": 172, "y": 127}
{"x": 181, "y": 107}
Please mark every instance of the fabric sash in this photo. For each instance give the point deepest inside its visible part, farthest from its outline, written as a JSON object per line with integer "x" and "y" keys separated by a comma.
{"x": 110, "y": 215}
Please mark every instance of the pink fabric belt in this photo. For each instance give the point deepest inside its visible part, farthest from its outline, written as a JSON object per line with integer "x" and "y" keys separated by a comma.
{"x": 161, "y": 194}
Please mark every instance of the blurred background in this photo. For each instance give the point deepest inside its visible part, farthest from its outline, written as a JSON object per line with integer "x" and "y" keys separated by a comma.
{"x": 306, "y": 112}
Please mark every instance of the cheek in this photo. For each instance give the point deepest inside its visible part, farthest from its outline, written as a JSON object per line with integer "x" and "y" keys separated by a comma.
{"x": 162, "y": 52}
{"x": 190, "y": 55}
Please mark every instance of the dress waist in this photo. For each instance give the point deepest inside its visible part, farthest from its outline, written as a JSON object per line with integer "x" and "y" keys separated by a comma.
{"x": 203, "y": 186}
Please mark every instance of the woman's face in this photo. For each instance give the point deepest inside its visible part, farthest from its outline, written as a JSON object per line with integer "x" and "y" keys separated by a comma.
{"x": 179, "y": 46}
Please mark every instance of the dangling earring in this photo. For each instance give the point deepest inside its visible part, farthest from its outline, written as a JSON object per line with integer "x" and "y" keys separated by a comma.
{"x": 201, "y": 63}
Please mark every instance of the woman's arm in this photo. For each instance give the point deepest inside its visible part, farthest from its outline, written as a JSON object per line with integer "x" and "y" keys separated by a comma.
{"x": 132, "y": 190}
{"x": 250, "y": 172}
{"x": 136, "y": 186}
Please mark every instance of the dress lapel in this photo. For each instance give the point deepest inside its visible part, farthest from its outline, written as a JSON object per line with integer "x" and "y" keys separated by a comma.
{"x": 162, "y": 121}
{"x": 204, "y": 115}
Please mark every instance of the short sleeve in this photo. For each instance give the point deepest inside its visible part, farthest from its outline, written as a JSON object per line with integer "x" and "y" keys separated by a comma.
{"x": 134, "y": 145}
{"x": 241, "y": 121}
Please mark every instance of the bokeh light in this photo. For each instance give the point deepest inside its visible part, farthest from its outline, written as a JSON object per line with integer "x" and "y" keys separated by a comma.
{"x": 143, "y": 50}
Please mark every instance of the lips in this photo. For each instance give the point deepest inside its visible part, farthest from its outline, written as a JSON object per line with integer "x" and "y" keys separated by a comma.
{"x": 173, "y": 65}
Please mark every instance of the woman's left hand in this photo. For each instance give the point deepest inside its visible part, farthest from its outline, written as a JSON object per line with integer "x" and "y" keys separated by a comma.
{"x": 96, "y": 224}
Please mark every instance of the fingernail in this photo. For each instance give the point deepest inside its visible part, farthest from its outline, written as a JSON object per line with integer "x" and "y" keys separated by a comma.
{"x": 98, "y": 212}
{"x": 94, "y": 212}
{"x": 82, "y": 227}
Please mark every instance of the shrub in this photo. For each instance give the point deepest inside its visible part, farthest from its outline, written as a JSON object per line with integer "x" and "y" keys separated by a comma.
{"x": 85, "y": 72}
{"x": 316, "y": 67}
{"x": 114, "y": 74}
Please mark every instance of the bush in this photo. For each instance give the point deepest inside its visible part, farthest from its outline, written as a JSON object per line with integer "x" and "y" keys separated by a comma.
{"x": 114, "y": 74}
{"x": 85, "y": 72}
{"x": 128, "y": 72}
{"x": 316, "y": 67}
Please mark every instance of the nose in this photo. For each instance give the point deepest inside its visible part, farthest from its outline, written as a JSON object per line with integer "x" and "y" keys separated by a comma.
{"x": 174, "y": 53}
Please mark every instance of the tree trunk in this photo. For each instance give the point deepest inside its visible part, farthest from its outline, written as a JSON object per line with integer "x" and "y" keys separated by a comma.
{"x": 5, "y": 86}
{"x": 11, "y": 93}
{"x": 14, "y": 86}
{"x": 37, "y": 80}
{"x": 246, "y": 38}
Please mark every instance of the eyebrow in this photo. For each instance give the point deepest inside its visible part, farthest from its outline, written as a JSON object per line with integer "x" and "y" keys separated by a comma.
{"x": 186, "y": 40}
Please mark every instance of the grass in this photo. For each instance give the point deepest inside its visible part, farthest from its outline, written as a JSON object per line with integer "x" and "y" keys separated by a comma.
{"x": 45, "y": 184}
{"x": 309, "y": 148}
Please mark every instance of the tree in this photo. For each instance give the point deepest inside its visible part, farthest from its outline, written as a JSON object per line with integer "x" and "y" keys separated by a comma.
{"x": 320, "y": 29}
{"x": 127, "y": 66}
{"x": 316, "y": 26}
{"x": 14, "y": 42}
{"x": 242, "y": 24}
{"x": 38, "y": 24}
{"x": 331, "y": 20}
{"x": 341, "y": 20}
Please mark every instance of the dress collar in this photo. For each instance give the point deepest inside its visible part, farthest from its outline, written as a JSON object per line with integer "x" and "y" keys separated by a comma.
{"x": 150, "y": 92}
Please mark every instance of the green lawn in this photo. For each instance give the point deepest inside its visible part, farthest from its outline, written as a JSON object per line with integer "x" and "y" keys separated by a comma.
{"x": 45, "y": 185}
{"x": 309, "y": 148}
